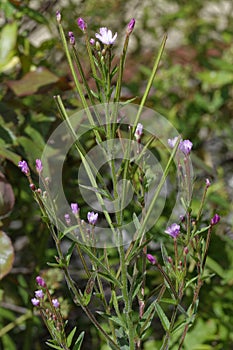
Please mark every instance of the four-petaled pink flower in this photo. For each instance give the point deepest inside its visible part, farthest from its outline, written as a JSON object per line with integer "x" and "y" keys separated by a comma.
{"x": 207, "y": 182}
{"x": 105, "y": 36}
{"x": 23, "y": 165}
{"x": 151, "y": 259}
{"x": 92, "y": 217}
{"x": 35, "y": 301}
{"x": 56, "y": 303}
{"x": 185, "y": 146}
{"x": 173, "y": 230}
{"x": 82, "y": 24}
{"x": 40, "y": 281}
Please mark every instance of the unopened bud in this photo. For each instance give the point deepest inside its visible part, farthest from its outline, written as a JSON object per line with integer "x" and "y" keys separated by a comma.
{"x": 130, "y": 26}
{"x": 58, "y": 15}
{"x": 169, "y": 259}
{"x": 32, "y": 187}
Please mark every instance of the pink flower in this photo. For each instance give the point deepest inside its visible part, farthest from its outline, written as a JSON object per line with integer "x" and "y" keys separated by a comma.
{"x": 74, "y": 208}
{"x": 172, "y": 142}
{"x": 40, "y": 281}
{"x": 56, "y": 303}
{"x": 92, "y": 217}
{"x": 23, "y": 165}
{"x": 82, "y": 24}
{"x": 39, "y": 294}
{"x": 173, "y": 230}
{"x": 72, "y": 38}
{"x": 207, "y": 182}
{"x": 39, "y": 166}
{"x": 105, "y": 36}
{"x": 185, "y": 146}
{"x": 35, "y": 301}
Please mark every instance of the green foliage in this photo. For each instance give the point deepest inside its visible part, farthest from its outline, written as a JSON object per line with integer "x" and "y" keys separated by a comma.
{"x": 193, "y": 89}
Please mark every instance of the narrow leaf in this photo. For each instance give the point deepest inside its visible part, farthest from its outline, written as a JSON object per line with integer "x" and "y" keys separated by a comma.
{"x": 163, "y": 318}
{"x": 70, "y": 337}
{"x": 78, "y": 343}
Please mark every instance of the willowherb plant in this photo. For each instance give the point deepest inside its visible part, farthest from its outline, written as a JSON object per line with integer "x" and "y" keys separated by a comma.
{"x": 124, "y": 202}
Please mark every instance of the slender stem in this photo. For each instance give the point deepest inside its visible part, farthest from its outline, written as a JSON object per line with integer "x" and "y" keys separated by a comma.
{"x": 128, "y": 306}
{"x": 206, "y": 247}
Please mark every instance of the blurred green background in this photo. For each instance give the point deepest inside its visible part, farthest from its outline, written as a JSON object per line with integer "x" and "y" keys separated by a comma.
{"x": 193, "y": 90}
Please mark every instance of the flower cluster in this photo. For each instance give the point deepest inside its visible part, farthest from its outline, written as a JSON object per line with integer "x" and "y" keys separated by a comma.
{"x": 40, "y": 294}
{"x": 105, "y": 35}
{"x": 49, "y": 309}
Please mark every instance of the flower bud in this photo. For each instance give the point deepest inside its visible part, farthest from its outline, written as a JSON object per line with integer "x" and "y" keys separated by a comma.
{"x": 130, "y": 26}
{"x": 151, "y": 259}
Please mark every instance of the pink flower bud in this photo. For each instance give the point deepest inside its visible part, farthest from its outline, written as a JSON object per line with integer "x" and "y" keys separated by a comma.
{"x": 40, "y": 281}
{"x": 130, "y": 26}
{"x": 215, "y": 220}
{"x": 151, "y": 259}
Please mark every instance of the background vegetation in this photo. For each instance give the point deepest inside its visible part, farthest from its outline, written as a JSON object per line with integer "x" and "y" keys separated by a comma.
{"x": 193, "y": 90}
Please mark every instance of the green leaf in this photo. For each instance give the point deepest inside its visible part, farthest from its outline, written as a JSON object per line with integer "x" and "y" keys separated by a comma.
{"x": 117, "y": 320}
{"x": 70, "y": 337}
{"x": 204, "y": 229}
{"x": 34, "y": 14}
{"x": 214, "y": 266}
{"x": 69, "y": 253}
{"x": 6, "y": 254}
{"x": 8, "y": 38}
{"x": 35, "y": 136}
{"x": 6, "y": 154}
{"x": 53, "y": 345}
{"x": 148, "y": 315}
{"x": 78, "y": 343}
{"x": 163, "y": 318}
{"x": 101, "y": 265}
{"x": 107, "y": 277}
{"x": 7, "y": 198}
{"x": 136, "y": 222}
{"x": 97, "y": 190}
{"x": 215, "y": 79}
{"x": 31, "y": 82}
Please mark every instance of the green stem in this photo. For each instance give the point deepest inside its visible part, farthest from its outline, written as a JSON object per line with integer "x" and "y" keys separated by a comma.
{"x": 18, "y": 321}
{"x": 128, "y": 308}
